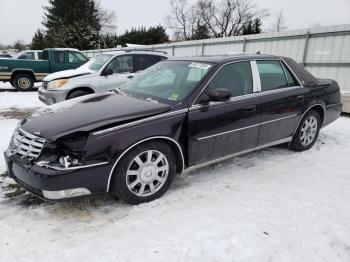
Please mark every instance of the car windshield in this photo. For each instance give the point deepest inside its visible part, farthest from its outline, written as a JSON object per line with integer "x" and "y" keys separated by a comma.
{"x": 97, "y": 62}
{"x": 168, "y": 81}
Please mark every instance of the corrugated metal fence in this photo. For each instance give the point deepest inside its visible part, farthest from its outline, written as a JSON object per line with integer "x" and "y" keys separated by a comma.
{"x": 324, "y": 51}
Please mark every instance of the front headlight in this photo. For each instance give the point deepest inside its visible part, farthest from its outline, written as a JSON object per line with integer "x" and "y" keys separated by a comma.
{"x": 57, "y": 83}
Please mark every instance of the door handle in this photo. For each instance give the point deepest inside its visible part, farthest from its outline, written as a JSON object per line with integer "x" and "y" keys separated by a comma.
{"x": 300, "y": 98}
{"x": 130, "y": 76}
{"x": 250, "y": 109}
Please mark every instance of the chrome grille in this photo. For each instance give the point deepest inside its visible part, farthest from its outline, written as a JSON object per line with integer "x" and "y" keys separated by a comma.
{"x": 26, "y": 145}
{"x": 45, "y": 84}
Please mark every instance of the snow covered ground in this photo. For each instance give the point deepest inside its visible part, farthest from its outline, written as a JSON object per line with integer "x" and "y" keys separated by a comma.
{"x": 7, "y": 85}
{"x": 271, "y": 205}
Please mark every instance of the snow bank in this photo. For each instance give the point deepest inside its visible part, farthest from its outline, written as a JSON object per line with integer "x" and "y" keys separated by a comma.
{"x": 19, "y": 100}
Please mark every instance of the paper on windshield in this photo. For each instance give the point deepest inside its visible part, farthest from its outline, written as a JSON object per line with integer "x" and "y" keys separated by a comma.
{"x": 200, "y": 65}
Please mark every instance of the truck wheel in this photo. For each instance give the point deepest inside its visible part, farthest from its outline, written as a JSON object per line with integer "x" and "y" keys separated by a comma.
{"x": 307, "y": 132}
{"x": 23, "y": 82}
{"x": 144, "y": 173}
{"x": 77, "y": 93}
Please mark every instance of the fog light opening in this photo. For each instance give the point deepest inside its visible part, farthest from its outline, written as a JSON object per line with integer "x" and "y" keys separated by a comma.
{"x": 69, "y": 193}
{"x": 68, "y": 161}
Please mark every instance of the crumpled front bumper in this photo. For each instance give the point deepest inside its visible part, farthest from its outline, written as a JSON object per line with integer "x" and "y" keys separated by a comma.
{"x": 57, "y": 185}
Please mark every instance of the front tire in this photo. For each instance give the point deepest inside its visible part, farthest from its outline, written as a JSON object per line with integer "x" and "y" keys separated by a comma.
{"x": 23, "y": 82}
{"x": 145, "y": 173}
{"x": 307, "y": 132}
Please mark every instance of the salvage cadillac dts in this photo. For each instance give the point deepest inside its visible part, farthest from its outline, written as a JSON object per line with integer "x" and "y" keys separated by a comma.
{"x": 176, "y": 116}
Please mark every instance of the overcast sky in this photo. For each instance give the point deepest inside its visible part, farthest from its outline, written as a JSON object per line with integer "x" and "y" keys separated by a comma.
{"x": 19, "y": 19}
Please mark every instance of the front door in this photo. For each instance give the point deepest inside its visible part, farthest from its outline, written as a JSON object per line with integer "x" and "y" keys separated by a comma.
{"x": 281, "y": 98}
{"x": 222, "y": 129}
{"x": 123, "y": 70}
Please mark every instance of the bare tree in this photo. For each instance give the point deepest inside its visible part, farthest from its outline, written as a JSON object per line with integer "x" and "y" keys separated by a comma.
{"x": 183, "y": 19}
{"x": 107, "y": 18}
{"x": 280, "y": 23}
{"x": 19, "y": 45}
{"x": 228, "y": 17}
{"x": 221, "y": 18}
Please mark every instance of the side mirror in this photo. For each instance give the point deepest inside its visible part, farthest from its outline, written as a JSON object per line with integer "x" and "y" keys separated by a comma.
{"x": 219, "y": 95}
{"x": 107, "y": 72}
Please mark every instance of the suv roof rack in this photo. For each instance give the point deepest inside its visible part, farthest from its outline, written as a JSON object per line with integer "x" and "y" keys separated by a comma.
{"x": 144, "y": 50}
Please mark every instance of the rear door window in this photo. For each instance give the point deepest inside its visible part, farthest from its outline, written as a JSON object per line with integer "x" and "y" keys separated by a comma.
{"x": 271, "y": 75}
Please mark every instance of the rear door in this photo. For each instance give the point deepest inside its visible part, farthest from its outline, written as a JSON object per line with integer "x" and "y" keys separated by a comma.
{"x": 123, "y": 70}
{"x": 225, "y": 128}
{"x": 281, "y": 101}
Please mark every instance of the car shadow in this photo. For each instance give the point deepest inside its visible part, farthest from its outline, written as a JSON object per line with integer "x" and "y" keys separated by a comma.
{"x": 13, "y": 194}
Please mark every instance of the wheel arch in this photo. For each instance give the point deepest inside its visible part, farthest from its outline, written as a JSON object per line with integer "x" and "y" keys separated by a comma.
{"x": 180, "y": 160}
{"x": 82, "y": 88}
{"x": 319, "y": 108}
{"x": 16, "y": 72}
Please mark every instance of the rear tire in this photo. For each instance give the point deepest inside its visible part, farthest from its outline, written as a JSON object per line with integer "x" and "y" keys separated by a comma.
{"x": 307, "y": 132}
{"x": 77, "y": 93}
{"x": 145, "y": 173}
{"x": 23, "y": 82}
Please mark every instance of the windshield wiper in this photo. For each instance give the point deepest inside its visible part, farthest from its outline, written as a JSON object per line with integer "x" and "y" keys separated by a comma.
{"x": 118, "y": 91}
{"x": 149, "y": 99}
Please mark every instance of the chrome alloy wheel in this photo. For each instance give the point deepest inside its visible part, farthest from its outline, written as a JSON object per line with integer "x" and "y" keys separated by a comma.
{"x": 147, "y": 173}
{"x": 308, "y": 131}
{"x": 24, "y": 83}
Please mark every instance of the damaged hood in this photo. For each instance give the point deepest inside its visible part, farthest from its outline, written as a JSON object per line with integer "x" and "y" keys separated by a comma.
{"x": 88, "y": 113}
{"x": 83, "y": 70}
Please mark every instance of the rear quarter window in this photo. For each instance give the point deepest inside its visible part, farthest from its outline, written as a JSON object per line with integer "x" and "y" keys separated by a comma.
{"x": 144, "y": 61}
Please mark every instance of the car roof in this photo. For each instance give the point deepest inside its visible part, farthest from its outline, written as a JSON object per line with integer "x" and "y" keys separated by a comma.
{"x": 219, "y": 59}
{"x": 29, "y": 50}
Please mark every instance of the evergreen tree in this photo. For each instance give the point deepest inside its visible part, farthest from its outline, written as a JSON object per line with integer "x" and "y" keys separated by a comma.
{"x": 109, "y": 41}
{"x": 38, "y": 41}
{"x": 248, "y": 29}
{"x": 257, "y": 26}
{"x": 252, "y": 27}
{"x": 143, "y": 36}
{"x": 72, "y": 24}
{"x": 202, "y": 32}
{"x": 157, "y": 35}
